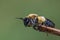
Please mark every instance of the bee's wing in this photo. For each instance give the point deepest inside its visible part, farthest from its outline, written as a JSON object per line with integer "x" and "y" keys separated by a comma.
{"x": 50, "y": 23}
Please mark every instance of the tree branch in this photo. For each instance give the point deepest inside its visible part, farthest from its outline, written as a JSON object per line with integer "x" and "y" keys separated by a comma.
{"x": 50, "y": 30}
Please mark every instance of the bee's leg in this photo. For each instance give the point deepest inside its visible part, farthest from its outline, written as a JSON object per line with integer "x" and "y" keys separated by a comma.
{"x": 46, "y": 27}
{"x": 39, "y": 27}
{"x": 35, "y": 27}
{"x": 46, "y": 33}
{"x": 46, "y": 30}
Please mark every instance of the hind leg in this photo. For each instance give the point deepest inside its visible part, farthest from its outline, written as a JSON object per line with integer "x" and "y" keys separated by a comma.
{"x": 35, "y": 27}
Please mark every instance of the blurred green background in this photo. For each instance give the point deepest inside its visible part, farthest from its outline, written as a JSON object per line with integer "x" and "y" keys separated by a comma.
{"x": 13, "y": 29}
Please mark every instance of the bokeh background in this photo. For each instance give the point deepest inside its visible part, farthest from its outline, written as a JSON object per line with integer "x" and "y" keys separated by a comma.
{"x": 13, "y": 29}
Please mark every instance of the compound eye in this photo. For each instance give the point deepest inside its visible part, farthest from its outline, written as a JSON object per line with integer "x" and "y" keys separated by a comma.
{"x": 26, "y": 21}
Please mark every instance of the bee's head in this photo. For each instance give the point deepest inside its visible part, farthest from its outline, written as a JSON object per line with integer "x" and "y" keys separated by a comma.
{"x": 26, "y": 21}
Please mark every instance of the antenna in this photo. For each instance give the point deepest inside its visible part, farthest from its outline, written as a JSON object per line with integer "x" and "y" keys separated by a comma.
{"x": 20, "y": 18}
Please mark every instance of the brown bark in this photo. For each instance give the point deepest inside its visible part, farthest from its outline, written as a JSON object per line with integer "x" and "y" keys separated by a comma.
{"x": 50, "y": 30}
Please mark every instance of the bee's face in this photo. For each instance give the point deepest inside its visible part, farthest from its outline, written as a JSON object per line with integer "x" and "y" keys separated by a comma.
{"x": 26, "y": 21}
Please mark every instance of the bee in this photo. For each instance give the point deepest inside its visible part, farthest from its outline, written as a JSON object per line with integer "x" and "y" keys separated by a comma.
{"x": 33, "y": 20}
